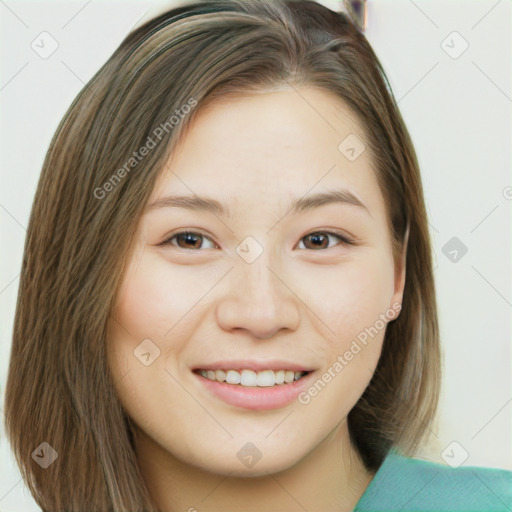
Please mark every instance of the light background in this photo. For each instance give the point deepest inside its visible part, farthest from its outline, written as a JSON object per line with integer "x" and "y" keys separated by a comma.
{"x": 458, "y": 111}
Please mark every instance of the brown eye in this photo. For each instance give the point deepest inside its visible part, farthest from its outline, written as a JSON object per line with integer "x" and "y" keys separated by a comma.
{"x": 187, "y": 240}
{"x": 320, "y": 240}
{"x": 194, "y": 240}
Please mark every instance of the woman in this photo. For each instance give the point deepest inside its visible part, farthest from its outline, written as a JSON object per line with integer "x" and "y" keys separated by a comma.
{"x": 227, "y": 299}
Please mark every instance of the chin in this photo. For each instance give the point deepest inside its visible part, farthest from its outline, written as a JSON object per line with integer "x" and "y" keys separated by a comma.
{"x": 247, "y": 463}
{"x": 237, "y": 470}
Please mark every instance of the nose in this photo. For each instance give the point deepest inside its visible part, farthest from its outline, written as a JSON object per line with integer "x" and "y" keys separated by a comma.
{"x": 258, "y": 300}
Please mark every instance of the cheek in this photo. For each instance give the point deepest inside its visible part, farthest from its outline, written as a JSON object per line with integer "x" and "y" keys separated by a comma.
{"x": 157, "y": 302}
{"x": 146, "y": 309}
{"x": 352, "y": 304}
{"x": 353, "y": 296}
{"x": 146, "y": 301}
{"x": 151, "y": 303}
{"x": 157, "y": 297}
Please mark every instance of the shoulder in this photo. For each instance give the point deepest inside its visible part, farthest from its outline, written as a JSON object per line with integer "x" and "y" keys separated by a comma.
{"x": 403, "y": 483}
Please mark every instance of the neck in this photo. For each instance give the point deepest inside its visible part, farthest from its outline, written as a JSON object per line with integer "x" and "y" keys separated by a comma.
{"x": 331, "y": 478}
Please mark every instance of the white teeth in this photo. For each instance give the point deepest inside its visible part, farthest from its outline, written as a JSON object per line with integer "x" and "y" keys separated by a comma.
{"x": 233, "y": 377}
{"x": 220, "y": 375}
{"x": 250, "y": 378}
{"x": 289, "y": 376}
{"x": 266, "y": 378}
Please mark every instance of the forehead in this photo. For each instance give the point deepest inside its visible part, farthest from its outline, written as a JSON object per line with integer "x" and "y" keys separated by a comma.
{"x": 271, "y": 147}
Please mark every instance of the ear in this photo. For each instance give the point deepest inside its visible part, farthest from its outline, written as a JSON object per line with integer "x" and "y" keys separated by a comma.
{"x": 400, "y": 266}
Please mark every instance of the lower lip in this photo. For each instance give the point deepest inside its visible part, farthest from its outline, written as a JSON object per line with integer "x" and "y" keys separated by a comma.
{"x": 257, "y": 398}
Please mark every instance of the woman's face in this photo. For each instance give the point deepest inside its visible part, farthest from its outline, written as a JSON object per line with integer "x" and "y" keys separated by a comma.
{"x": 257, "y": 286}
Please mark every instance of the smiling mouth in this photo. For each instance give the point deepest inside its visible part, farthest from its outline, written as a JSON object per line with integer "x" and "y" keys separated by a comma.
{"x": 250, "y": 378}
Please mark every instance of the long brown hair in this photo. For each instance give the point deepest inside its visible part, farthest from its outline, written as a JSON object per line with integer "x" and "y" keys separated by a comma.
{"x": 86, "y": 211}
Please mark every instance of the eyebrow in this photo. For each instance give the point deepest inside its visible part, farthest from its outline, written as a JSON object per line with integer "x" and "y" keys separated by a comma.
{"x": 300, "y": 205}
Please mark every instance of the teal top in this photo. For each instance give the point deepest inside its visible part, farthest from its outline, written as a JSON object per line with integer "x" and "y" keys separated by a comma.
{"x": 414, "y": 485}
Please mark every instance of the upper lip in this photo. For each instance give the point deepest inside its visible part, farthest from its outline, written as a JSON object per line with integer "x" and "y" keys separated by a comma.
{"x": 257, "y": 366}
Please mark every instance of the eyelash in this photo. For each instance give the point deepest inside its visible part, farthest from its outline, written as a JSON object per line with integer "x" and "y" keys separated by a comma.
{"x": 343, "y": 238}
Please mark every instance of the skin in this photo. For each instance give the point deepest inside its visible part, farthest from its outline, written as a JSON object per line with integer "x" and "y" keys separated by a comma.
{"x": 200, "y": 302}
